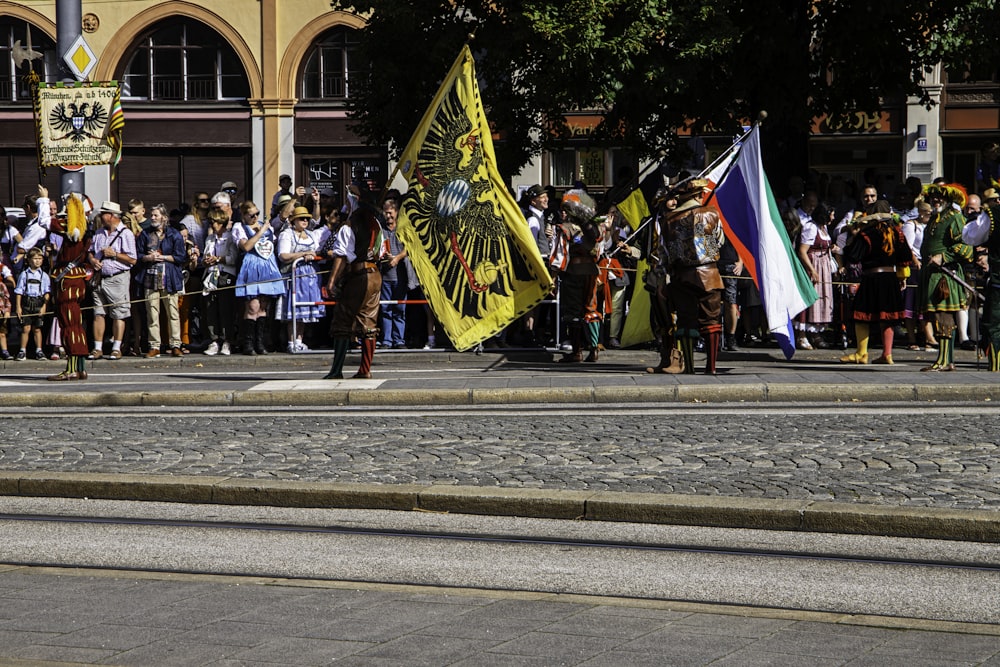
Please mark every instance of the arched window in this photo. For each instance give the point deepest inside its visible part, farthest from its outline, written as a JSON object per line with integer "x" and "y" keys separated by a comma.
{"x": 13, "y": 86}
{"x": 331, "y": 66}
{"x": 183, "y": 60}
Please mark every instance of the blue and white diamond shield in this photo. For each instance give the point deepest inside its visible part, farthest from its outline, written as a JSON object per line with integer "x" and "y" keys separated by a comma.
{"x": 452, "y": 198}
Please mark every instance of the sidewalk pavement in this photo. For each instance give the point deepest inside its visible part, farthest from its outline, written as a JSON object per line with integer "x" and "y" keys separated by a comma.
{"x": 494, "y": 378}
{"x": 498, "y": 377}
{"x": 67, "y": 616}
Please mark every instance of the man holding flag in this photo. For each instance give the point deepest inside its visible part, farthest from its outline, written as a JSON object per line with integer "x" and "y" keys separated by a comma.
{"x": 691, "y": 237}
{"x": 477, "y": 262}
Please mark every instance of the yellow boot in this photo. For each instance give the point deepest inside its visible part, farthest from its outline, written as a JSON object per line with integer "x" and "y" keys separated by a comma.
{"x": 859, "y": 356}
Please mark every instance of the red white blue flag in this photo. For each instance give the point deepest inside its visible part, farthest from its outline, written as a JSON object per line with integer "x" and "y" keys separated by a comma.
{"x": 753, "y": 225}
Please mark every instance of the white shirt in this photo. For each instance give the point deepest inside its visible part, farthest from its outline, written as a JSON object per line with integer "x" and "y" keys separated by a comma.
{"x": 913, "y": 230}
{"x": 290, "y": 242}
{"x": 343, "y": 243}
{"x": 977, "y": 232}
{"x": 810, "y": 230}
{"x": 535, "y": 218}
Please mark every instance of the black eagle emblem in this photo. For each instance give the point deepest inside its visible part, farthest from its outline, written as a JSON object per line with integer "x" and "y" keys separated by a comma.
{"x": 78, "y": 120}
{"x": 455, "y": 214}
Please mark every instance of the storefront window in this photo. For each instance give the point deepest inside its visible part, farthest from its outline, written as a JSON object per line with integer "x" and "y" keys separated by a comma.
{"x": 563, "y": 167}
{"x": 183, "y": 60}
{"x": 596, "y": 167}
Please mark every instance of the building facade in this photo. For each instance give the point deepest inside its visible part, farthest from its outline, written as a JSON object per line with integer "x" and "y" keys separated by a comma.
{"x": 246, "y": 90}
{"x": 226, "y": 90}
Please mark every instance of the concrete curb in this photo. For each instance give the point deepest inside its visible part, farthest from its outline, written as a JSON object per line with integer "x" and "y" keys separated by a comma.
{"x": 694, "y": 394}
{"x": 676, "y": 509}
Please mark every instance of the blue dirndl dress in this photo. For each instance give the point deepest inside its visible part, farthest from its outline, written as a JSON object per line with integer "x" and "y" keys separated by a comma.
{"x": 259, "y": 274}
{"x": 306, "y": 286}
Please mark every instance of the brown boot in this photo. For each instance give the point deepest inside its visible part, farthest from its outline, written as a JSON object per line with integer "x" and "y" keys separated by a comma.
{"x": 712, "y": 339}
{"x": 367, "y": 354}
{"x": 673, "y": 364}
{"x": 576, "y": 339}
{"x": 592, "y": 357}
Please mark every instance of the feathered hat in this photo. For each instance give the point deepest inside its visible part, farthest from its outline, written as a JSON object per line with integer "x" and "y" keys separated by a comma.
{"x": 950, "y": 192}
{"x": 76, "y": 210}
{"x": 579, "y": 205}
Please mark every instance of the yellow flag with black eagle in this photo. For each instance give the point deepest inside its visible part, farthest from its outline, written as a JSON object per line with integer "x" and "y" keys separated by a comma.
{"x": 469, "y": 243}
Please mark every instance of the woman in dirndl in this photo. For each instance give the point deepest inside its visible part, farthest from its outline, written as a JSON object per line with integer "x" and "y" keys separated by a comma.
{"x": 814, "y": 251}
{"x": 297, "y": 242}
{"x": 259, "y": 280}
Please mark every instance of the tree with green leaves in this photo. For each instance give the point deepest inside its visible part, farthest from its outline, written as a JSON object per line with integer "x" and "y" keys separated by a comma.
{"x": 654, "y": 66}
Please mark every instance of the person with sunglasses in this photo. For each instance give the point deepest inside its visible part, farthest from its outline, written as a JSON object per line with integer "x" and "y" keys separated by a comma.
{"x": 259, "y": 280}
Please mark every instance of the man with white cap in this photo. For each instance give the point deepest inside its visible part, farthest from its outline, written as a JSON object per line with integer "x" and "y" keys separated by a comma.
{"x": 285, "y": 190}
{"x": 230, "y": 188}
{"x": 112, "y": 253}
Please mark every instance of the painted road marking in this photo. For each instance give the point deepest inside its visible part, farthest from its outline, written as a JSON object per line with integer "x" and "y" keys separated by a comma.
{"x": 316, "y": 385}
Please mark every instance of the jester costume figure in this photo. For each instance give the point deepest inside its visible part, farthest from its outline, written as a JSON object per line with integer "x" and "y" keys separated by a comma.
{"x": 355, "y": 283}
{"x": 575, "y": 252}
{"x": 877, "y": 244}
{"x": 69, "y": 283}
{"x": 941, "y": 296}
{"x": 982, "y": 231}
{"x": 690, "y": 237}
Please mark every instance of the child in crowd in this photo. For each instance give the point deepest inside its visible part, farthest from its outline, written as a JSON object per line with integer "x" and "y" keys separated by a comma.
{"x": 6, "y": 288}
{"x": 31, "y": 297}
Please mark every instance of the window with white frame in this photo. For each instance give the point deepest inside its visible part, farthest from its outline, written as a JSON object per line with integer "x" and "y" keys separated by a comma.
{"x": 182, "y": 60}
{"x": 331, "y": 66}
{"x": 14, "y": 86}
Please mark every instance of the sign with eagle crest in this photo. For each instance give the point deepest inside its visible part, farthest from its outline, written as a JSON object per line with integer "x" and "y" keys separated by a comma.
{"x": 78, "y": 123}
{"x": 469, "y": 243}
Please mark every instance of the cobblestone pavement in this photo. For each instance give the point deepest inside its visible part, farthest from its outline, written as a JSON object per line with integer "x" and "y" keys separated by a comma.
{"x": 124, "y": 619}
{"x": 913, "y": 459}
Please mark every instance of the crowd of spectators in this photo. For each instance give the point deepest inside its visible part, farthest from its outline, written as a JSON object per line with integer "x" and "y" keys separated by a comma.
{"x": 216, "y": 276}
{"x": 222, "y": 276}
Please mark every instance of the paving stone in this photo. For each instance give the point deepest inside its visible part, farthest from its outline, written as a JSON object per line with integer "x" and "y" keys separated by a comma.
{"x": 816, "y": 644}
{"x": 300, "y": 651}
{"x": 751, "y": 657}
{"x": 623, "y": 627}
{"x": 922, "y": 460}
{"x": 558, "y": 646}
{"x": 117, "y": 637}
{"x": 418, "y": 650}
{"x": 736, "y": 626}
{"x": 683, "y": 647}
{"x": 169, "y": 653}
{"x": 496, "y": 629}
{"x": 944, "y": 646}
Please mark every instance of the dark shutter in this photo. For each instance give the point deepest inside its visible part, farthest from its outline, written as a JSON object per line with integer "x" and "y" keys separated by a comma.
{"x": 150, "y": 176}
{"x": 20, "y": 172}
{"x": 206, "y": 171}
{"x": 170, "y": 176}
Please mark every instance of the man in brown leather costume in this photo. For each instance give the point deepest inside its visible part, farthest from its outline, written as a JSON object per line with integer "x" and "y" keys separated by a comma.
{"x": 690, "y": 238}
{"x": 355, "y": 283}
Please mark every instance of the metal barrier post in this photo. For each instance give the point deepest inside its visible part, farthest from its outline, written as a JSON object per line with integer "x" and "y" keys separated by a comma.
{"x": 295, "y": 301}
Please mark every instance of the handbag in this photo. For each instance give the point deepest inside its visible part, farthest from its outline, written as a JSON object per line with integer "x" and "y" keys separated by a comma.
{"x": 941, "y": 291}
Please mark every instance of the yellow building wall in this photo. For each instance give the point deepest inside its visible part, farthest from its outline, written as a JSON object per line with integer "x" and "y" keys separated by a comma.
{"x": 271, "y": 38}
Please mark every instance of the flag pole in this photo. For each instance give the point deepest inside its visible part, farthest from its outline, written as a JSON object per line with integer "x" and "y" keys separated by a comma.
{"x": 760, "y": 118}
{"x": 728, "y": 153}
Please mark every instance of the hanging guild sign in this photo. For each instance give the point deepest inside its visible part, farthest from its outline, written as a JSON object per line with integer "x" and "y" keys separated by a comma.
{"x": 79, "y": 123}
